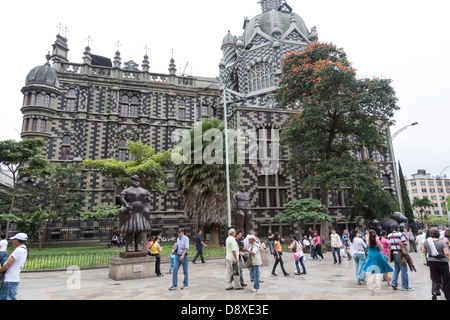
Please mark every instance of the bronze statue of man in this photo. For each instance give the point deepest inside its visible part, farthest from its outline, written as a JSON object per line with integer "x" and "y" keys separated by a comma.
{"x": 134, "y": 214}
{"x": 243, "y": 213}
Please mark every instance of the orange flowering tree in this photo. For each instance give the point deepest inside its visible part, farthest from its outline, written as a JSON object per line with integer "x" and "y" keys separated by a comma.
{"x": 339, "y": 116}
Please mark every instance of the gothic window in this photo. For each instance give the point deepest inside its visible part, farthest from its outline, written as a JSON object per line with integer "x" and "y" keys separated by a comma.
{"x": 123, "y": 150}
{"x": 272, "y": 191}
{"x": 65, "y": 147}
{"x": 260, "y": 77}
{"x": 70, "y": 100}
{"x": 123, "y": 154}
{"x": 47, "y": 101}
{"x": 129, "y": 107}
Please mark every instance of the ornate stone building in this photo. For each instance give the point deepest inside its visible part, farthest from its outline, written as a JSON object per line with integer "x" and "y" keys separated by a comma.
{"x": 90, "y": 110}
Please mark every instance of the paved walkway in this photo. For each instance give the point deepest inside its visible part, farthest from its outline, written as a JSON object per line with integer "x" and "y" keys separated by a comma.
{"x": 324, "y": 281}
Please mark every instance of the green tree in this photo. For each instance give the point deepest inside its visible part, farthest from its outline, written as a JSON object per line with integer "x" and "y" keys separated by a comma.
{"x": 339, "y": 115}
{"x": 409, "y": 213}
{"x": 303, "y": 210}
{"x": 422, "y": 204}
{"x": 23, "y": 159}
{"x": 150, "y": 166}
{"x": 102, "y": 212}
{"x": 202, "y": 186}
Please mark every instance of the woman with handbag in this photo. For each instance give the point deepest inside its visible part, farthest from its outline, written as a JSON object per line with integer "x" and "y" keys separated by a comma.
{"x": 278, "y": 252}
{"x": 154, "y": 250}
{"x": 297, "y": 248}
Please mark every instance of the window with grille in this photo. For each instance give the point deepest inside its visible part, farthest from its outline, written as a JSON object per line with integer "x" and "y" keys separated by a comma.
{"x": 38, "y": 99}
{"x": 43, "y": 125}
{"x": 260, "y": 77}
{"x": 272, "y": 191}
{"x": 129, "y": 107}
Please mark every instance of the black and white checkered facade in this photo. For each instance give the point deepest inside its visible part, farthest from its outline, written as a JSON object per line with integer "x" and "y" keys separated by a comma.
{"x": 94, "y": 125}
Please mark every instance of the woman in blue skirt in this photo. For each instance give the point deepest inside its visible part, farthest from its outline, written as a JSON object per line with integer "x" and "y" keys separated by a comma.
{"x": 376, "y": 263}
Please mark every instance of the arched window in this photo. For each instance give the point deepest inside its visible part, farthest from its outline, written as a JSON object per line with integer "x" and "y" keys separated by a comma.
{"x": 71, "y": 99}
{"x": 65, "y": 147}
{"x": 47, "y": 101}
{"x": 38, "y": 99}
{"x": 260, "y": 77}
{"x": 123, "y": 154}
{"x": 123, "y": 150}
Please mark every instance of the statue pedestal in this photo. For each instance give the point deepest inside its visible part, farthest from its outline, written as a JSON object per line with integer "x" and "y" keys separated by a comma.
{"x": 132, "y": 268}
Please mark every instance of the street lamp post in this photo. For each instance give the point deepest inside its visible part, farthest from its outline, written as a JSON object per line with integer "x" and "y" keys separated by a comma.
{"x": 394, "y": 162}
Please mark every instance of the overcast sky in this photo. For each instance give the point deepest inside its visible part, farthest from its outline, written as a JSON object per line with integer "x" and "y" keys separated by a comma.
{"x": 406, "y": 41}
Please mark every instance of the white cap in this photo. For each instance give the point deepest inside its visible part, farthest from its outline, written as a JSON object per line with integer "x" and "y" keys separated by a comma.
{"x": 20, "y": 236}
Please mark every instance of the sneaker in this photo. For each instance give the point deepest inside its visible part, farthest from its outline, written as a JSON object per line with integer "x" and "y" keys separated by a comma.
{"x": 184, "y": 287}
{"x": 172, "y": 288}
{"x": 229, "y": 288}
{"x": 243, "y": 284}
{"x": 274, "y": 274}
{"x": 240, "y": 288}
{"x": 297, "y": 274}
{"x": 253, "y": 290}
{"x": 193, "y": 262}
{"x": 394, "y": 287}
{"x": 408, "y": 289}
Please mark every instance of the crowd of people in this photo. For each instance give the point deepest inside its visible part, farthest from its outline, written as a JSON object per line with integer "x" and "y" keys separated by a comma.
{"x": 372, "y": 254}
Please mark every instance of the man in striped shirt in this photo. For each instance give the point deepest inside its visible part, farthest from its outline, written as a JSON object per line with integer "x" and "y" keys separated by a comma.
{"x": 396, "y": 241}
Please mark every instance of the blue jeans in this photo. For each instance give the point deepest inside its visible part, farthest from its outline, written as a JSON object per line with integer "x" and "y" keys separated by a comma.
{"x": 9, "y": 291}
{"x": 271, "y": 247}
{"x": 3, "y": 255}
{"x": 400, "y": 268}
{"x": 199, "y": 254}
{"x": 256, "y": 275}
{"x": 300, "y": 262}
{"x": 360, "y": 259}
{"x": 176, "y": 266}
{"x": 333, "y": 251}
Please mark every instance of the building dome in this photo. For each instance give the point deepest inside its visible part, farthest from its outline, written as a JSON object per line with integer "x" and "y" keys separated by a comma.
{"x": 274, "y": 20}
{"x": 229, "y": 39}
{"x": 44, "y": 74}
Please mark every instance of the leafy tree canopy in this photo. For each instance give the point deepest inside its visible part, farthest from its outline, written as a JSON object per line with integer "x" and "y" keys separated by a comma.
{"x": 303, "y": 210}
{"x": 147, "y": 164}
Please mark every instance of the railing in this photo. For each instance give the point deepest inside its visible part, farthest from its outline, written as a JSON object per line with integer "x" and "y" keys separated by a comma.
{"x": 136, "y": 75}
{"x": 61, "y": 262}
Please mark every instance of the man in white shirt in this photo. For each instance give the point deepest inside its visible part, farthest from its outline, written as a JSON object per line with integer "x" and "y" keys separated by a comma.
{"x": 13, "y": 267}
{"x": 3, "y": 246}
{"x": 232, "y": 258}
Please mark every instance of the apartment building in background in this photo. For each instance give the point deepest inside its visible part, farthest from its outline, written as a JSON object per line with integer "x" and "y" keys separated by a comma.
{"x": 436, "y": 188}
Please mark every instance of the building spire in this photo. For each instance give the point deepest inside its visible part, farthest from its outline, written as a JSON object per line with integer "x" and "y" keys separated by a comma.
{"x": 267, "y": 5}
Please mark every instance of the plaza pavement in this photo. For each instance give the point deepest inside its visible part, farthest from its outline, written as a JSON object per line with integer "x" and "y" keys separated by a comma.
{"x": 323, "y": 281}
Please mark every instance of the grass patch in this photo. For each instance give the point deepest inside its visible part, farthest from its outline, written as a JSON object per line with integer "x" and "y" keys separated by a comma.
{"x": 97, "y": 256}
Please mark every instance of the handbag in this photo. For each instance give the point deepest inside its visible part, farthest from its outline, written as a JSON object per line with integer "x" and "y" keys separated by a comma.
{"x": 235, "y": 269}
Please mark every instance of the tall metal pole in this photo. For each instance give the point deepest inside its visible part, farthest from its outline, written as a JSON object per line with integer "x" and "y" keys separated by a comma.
{"x": 227, "y": 169}
{"x": 394, "y": 162}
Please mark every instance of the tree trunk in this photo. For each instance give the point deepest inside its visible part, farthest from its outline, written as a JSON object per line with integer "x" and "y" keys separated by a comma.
{"x": 325, "y": 226}
{"x": 214, "y": 236}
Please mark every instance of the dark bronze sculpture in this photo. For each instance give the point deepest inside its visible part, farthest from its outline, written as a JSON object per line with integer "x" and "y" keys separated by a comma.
{"x": 243, "y": 213}
{"x": 134, "y": 214}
